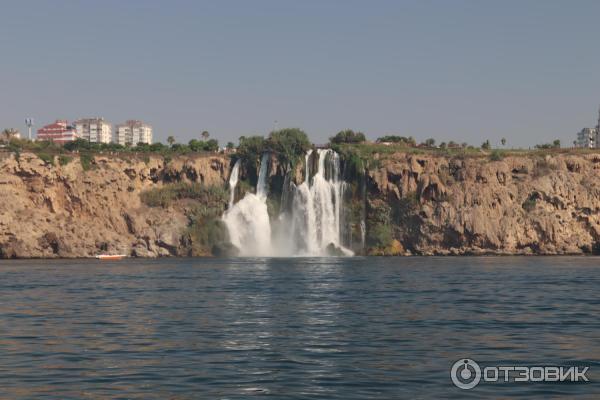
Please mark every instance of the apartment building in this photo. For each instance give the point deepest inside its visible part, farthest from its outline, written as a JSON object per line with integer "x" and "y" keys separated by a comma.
{"x": 587, "y": 138}
{"x": 95, "y": 130}
{"x": 133, "y": 132}
{"x": 59, "y": 132}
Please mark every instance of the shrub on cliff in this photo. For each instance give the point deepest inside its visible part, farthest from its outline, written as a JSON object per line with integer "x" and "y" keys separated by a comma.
{"x": 206, "y": 233}
{"x": 166, "y": 195}
{"x": 554, "y": 145}
{"x": 64, "y": 160}
{"x": 47, "y": 158}
{"x": 496, "y": 155}
{"x": 86, "y": 160}
{"x": 401, "y": 140}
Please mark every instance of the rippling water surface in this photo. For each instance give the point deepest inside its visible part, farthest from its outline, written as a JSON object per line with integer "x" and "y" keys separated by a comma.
{"x": 341, "y": 328}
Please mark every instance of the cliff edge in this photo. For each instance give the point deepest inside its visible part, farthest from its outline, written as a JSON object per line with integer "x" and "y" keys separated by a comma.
{"x": 405, "y": 203}
{"x": 71, "y": 207}
{"x": 521, "y": 204}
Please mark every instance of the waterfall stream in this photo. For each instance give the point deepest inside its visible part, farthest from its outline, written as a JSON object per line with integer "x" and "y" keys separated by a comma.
{"x": 233, "y": 180}
{"x": 310, "y": 226}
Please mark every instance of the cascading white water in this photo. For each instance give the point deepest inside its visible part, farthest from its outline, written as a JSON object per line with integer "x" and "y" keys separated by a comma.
{"x": 233, "y": 180}
{"x": 311, "y": 228}
{"x": 317, "y": 206}
{"x": 247, "y": 221}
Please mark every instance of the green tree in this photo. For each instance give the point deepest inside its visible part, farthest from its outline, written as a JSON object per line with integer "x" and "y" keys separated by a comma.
{"x": 196, "y": 145}
{"x": 230, "y": 146}
{"x": 348, "y": 136}
{"x": 77, "y": 145}
{"x": 251, "y": 148}
{"x": 486, "y": 145}
{"x": 288, "y": 145}
{"x": 503, "y": 141}
{"x": 430, "y": 142}
{"x": 171, "y": 141}
{"x": 556, "y": 143}
{"x": 211, "y": 145}
{"x": 205, "y": 135}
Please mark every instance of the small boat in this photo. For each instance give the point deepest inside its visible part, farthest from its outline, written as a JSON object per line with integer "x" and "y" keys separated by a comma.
{"x": 110, "y": 257}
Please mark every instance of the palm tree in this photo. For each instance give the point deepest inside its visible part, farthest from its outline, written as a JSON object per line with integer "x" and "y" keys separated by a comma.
{"x": 171, "y": 141}
{"x": 205, "y": 135}
{"x": 10, "y": 133}
{"x": 503, "y": 141}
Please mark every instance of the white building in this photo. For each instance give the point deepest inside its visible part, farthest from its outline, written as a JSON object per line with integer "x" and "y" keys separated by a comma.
{"x": 133, "y": 132}
{"x": 588, "y": 138}
{"x": 95, "y": 130}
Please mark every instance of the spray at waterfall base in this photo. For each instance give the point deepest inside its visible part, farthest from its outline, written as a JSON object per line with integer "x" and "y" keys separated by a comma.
{"x": 311, "y": 221}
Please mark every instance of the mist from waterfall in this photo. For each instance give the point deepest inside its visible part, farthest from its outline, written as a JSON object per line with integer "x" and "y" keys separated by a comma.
{"x": 247, "y": 221}
{"x": 310, "y": 222}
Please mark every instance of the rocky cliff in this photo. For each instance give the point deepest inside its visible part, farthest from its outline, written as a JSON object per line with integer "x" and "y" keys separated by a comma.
{"x": 70, "y": 209}
{"x": 529, "y": 204}
{"x": 411, "y": 204}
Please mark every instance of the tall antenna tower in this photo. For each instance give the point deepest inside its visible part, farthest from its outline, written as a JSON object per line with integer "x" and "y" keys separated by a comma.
{"x": 29, "y": 124}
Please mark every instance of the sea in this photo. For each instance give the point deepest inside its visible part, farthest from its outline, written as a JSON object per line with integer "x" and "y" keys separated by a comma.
{"x": 298, "y": 328}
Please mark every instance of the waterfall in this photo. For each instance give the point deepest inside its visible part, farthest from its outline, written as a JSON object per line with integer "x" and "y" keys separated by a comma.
{"x": 312, "y": 227}
{"x": 363, "y": 211}
{"x": 261, "y": 186}
{"x": 307, "y": 165}
{"x": 233, "y": 180}
{"x": 247, "y": 221}
{"x": 317, "y": 211}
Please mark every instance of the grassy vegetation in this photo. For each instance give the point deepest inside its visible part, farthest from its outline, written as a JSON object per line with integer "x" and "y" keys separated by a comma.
{"x": 64, "y": 159}
{"x": 205, "y": 233}
{"x": 496, "y": 155}
{"x": 380, "y": 231}
{"x": 87, "y": 161}
{"x": 166, "y": 195}
{"x": 80, "y": 146}
{"x": 47, "y": 158}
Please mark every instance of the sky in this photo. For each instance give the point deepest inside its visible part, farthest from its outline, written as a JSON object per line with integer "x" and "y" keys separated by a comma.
{"x": 528, "y": 71}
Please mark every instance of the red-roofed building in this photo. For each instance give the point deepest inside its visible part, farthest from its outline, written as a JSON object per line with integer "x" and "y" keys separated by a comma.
{"x": 59, "y": 132}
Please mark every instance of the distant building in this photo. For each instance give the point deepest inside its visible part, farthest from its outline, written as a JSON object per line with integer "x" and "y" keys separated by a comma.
{"x": 133, "y": 132}
{"x": 58, "y": 132}
{"x": 95, "y": 130}
{"x": 587, "y": 138}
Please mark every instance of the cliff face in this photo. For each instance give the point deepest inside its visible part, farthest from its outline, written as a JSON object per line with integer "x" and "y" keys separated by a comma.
{"x": 413, "y": 204}
{"x": 518, "y": 205}
{"x": 65, "y": 211}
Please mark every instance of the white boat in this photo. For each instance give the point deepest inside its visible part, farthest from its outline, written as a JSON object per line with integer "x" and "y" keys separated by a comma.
{"x": 110, "y": 257}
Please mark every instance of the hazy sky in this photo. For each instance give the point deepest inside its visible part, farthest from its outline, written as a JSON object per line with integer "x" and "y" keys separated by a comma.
{"x": 452, "y": 70}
